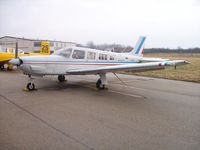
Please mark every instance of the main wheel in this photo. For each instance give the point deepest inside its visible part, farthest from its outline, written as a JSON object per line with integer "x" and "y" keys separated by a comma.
{"x": 61, "y": 78}
{"x": 2, "y": 67}
{"x": 99, "y": 85}
{"x": 30, "y": 86}
{"x": 10, "y": 67}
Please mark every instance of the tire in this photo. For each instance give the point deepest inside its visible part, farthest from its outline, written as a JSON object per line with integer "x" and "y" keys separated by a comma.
{"x": 99, "y": 85}
{"x": 9, "y": 67}
{"x": 61, "y": 78}
{"x": 30, "y": 86}
{"x": 2, "y": 67}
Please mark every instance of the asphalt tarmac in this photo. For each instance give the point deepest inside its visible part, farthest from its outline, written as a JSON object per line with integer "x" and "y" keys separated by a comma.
{"x": 139, "y": 113}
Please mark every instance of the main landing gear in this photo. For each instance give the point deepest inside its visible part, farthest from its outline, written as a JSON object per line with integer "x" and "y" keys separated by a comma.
{"x": 9, "y": 67}
{"x": 101, "y": 82}
{"x": 30, "y": 85}
{"x": 61, "y": 78}
{"x": 2, "y": 67}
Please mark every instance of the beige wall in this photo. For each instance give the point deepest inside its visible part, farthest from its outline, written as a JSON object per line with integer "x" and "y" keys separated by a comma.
{"x": 25, "y": 45}
{"x": 28, "y": 45}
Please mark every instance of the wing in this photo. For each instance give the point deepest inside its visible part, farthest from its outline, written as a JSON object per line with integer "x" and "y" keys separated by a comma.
{"x": 146, "y": 59}
{"x": 4, "y": 57}
{"x": 130, "y": 67}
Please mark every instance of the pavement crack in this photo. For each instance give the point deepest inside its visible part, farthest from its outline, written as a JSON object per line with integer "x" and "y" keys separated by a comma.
{"x": 46, "y": 123}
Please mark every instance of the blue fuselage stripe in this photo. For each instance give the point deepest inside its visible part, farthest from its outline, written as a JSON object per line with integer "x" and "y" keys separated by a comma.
{"x": 80, "y": 62}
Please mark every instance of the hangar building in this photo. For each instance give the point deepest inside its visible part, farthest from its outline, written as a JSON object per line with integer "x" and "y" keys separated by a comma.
{"x": 30, "y": 45}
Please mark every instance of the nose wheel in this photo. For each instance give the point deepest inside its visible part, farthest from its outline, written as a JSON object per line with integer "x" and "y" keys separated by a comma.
{"x": 30, "y": 86}
{"x": 61, "y": 78}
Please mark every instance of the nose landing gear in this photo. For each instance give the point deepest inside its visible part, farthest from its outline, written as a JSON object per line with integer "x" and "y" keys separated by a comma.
{"x": 30, "y": 86}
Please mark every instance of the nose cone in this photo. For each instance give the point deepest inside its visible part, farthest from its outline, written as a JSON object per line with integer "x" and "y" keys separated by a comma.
{"x": 15, "y": 61}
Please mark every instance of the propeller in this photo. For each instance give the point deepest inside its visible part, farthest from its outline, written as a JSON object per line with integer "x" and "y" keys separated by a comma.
{"x": 16, "y": 50}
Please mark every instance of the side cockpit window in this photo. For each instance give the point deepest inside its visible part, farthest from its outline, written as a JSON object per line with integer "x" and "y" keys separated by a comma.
{"x": 78, "y": 54}
{"x": 64, "y": 52}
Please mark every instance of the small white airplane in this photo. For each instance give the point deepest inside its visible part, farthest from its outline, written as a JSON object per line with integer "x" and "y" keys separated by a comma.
{"x": 82, "y": 61}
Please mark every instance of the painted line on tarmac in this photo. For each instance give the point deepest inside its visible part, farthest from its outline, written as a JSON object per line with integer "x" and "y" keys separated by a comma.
{"x": 112, "y": 91}
{"x": 126, "y": 94}
{"x": 132, "y": 87}
{"x": 118, "y": 83}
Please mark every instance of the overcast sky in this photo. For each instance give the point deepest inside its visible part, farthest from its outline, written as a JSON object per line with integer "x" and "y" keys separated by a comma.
{"x": 166, "y": 23}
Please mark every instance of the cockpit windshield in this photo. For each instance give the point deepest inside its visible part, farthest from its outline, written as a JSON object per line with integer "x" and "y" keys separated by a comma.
{"x": 66, "y": 52}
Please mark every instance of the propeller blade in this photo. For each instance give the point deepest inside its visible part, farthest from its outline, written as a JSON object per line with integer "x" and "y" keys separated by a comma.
{"x": 16, "y": 50}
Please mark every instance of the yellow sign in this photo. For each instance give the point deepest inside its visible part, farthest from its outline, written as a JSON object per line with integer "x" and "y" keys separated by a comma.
{"x": 45, "y": 47}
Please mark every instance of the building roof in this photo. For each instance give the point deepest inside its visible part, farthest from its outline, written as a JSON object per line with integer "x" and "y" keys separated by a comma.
{"x": 28, "y": 39}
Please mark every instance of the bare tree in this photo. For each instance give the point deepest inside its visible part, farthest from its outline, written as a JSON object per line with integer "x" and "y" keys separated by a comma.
{"x": 90, "y": 44}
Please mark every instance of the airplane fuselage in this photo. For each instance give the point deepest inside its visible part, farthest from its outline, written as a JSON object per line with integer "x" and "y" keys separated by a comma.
{"x": 64, "y": 60}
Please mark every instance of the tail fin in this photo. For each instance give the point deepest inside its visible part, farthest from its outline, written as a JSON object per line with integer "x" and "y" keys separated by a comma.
{"x": 139, "y": 47}
{"x": 45, "y": 48}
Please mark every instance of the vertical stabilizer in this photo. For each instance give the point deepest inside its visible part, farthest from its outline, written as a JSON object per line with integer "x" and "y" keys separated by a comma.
{"x": 139, "y": 47}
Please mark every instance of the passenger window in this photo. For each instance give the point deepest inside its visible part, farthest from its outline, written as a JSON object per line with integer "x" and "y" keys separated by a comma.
{"x": 78, "y": 54}
{"x": 112, "y": 58}
{"x": 105, "y": 57}
{"x": 102, "y": 57}
{"x": 91, "y": 55}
